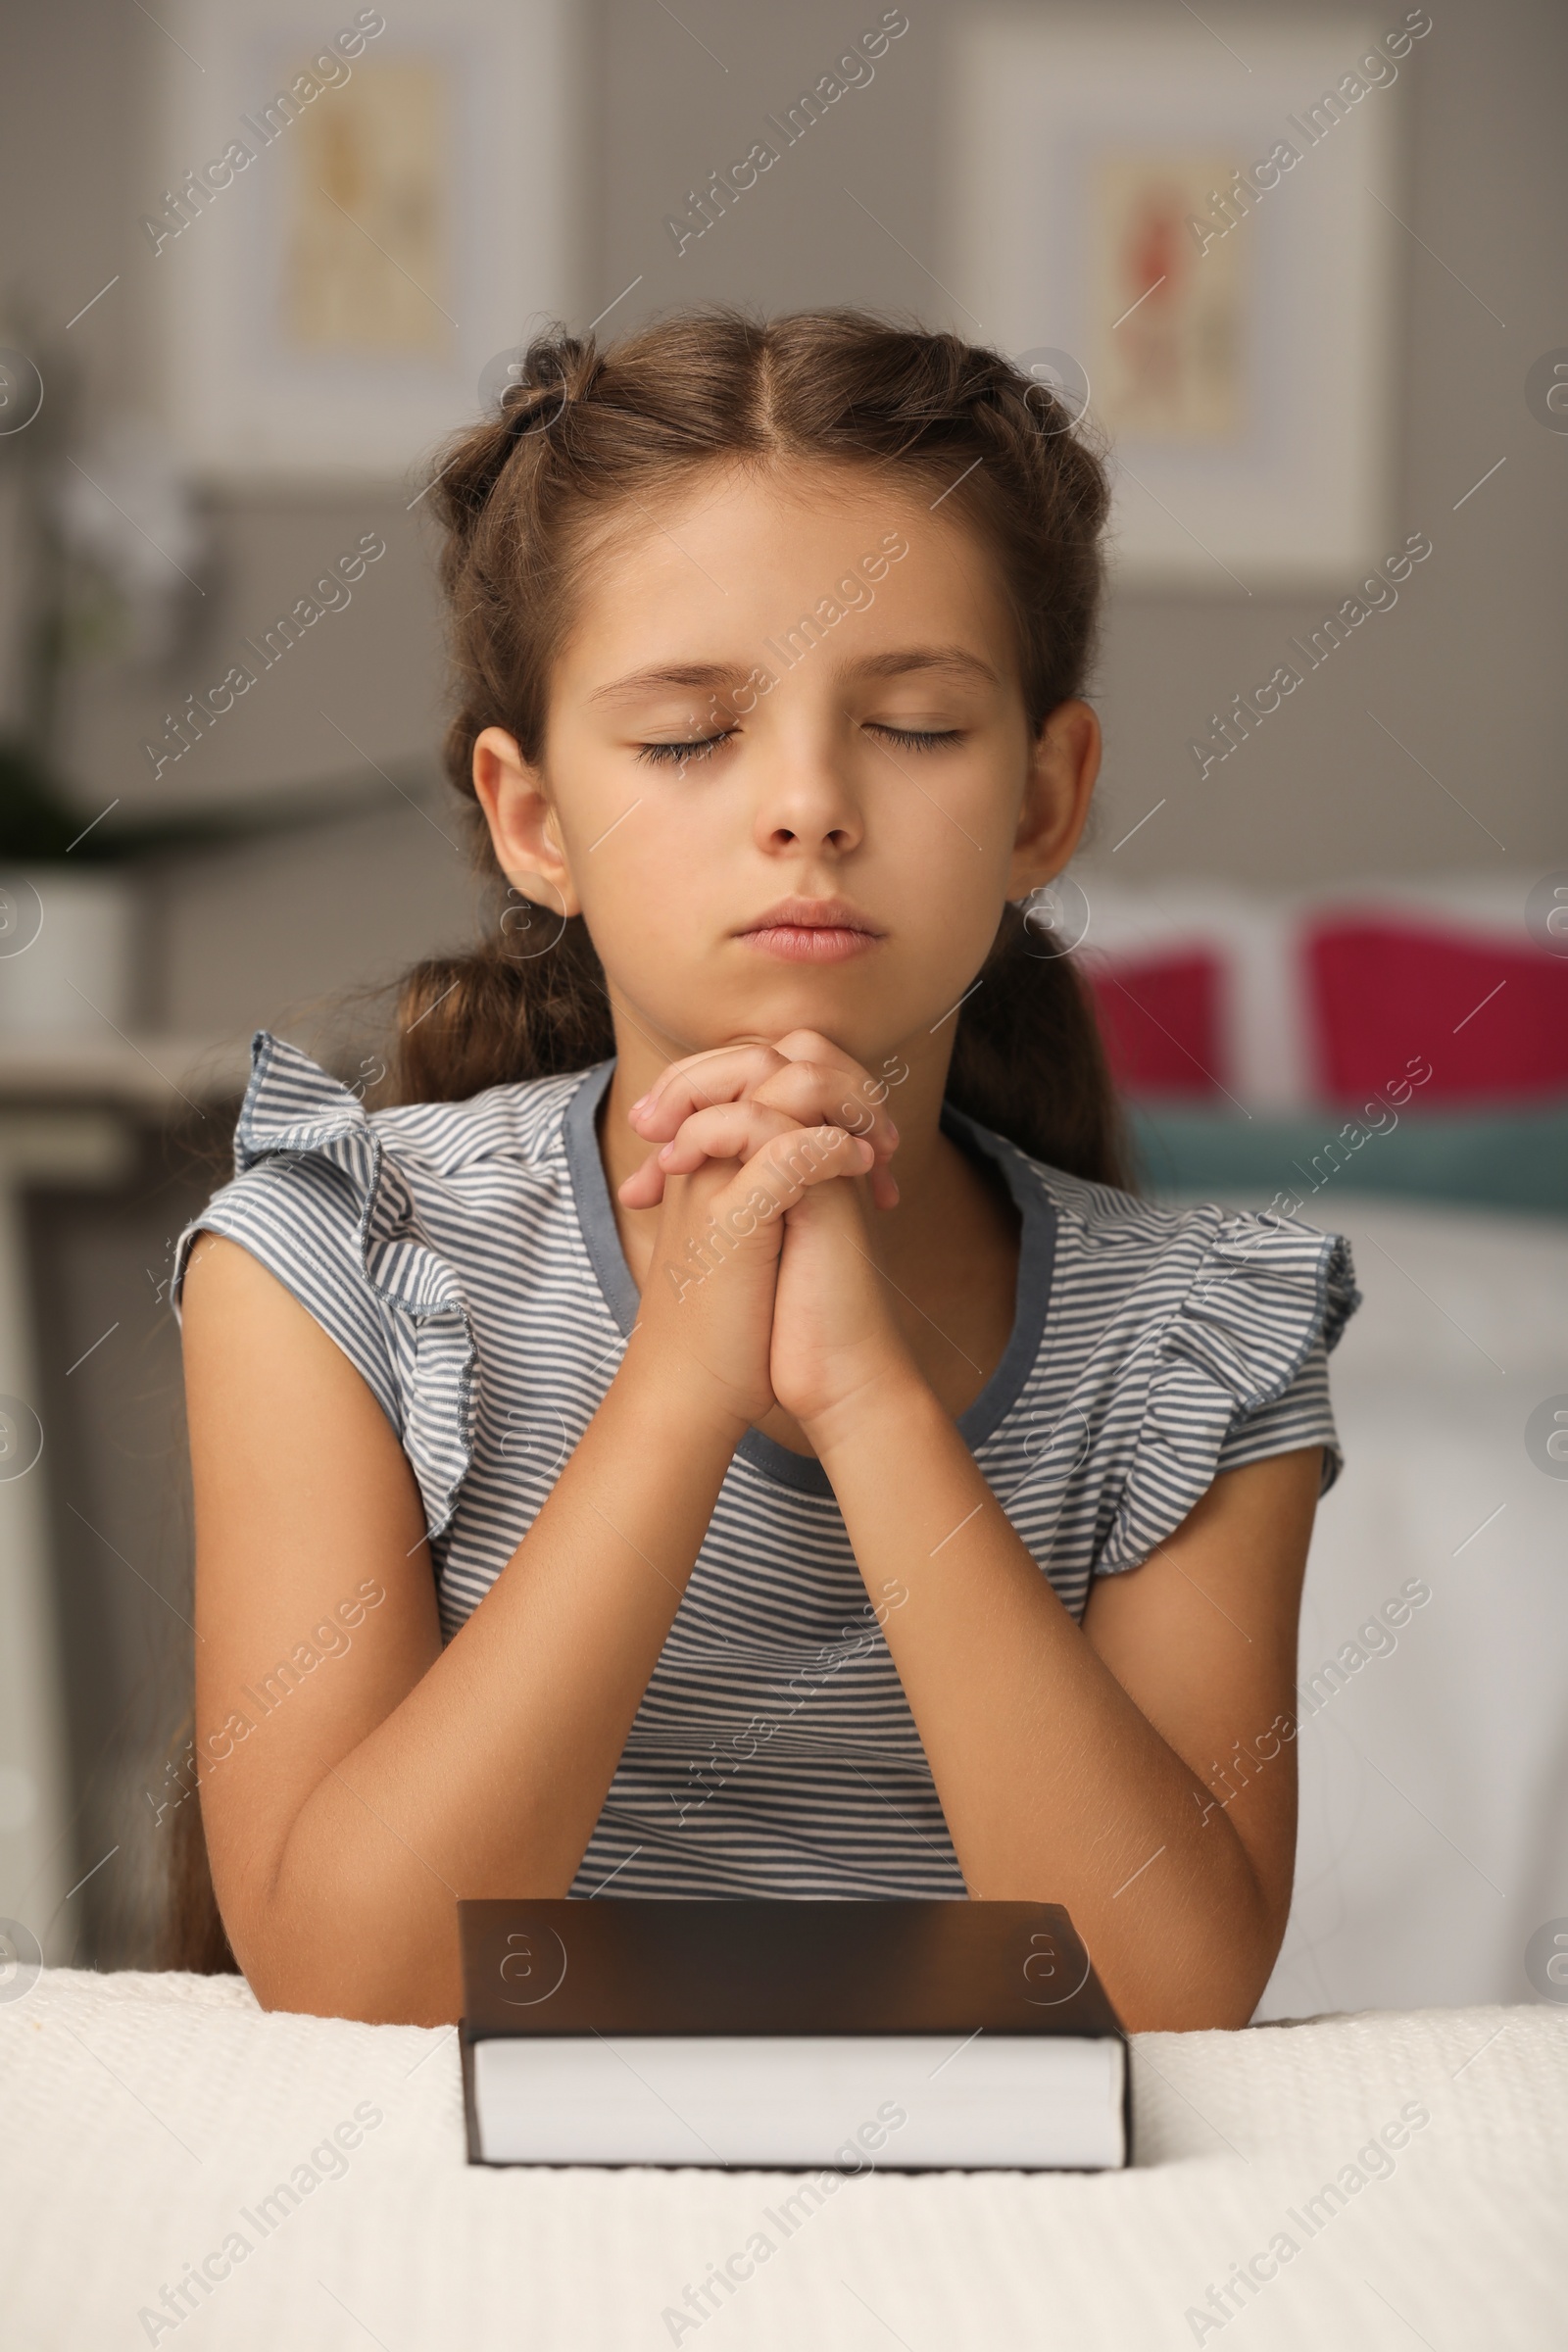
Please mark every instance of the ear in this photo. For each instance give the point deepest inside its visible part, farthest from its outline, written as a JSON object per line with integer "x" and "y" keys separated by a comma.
{"x": 1063, "y": 763}
{"x": 523, "y": 823}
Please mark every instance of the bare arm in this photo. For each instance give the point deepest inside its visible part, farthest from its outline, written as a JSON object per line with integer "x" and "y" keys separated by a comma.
{"x": 1095, "y": 1766}
{"x": 394, "y": 1776}
{"x": 1087, "y": 1766}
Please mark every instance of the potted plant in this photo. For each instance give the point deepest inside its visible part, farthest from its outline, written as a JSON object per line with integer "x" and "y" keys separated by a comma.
{"x": 107, "y": 537}
{"x": 96, "y": 582}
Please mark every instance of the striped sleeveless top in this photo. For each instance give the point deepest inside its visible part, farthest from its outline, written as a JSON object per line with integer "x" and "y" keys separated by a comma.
{"x": 465, "y": 1258}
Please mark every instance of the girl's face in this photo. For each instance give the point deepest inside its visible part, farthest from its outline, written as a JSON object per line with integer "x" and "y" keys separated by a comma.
{"x": 788, "y": 777}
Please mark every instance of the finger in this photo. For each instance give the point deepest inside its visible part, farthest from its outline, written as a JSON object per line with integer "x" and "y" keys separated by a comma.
{"x": 725, "y": 1130}
{"x": 728, "y": 1131}
{"x": 779, "y": 1167}
{"x": 723, "y": 1071}
{"x": 809, "y": 1045}
{"x": 700, "y": 1080}
{"x": 757, "y": 1198}
{"x": 818, "y": 1093}
{"x": 834, "y": 1087}
{"x": 734, "y": 1130}
{"x": 784, "y": 1170}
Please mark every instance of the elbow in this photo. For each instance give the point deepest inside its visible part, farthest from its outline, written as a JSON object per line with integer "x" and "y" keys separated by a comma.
{"x": 366, "y": 1952}
{"x": 1211, "y": 2008}
{"x": 1217, "y": 1964}
{"x": 305, "y": 1994}
{"x": 315, "y": 1971}
{"x": 1215, "y": 1995}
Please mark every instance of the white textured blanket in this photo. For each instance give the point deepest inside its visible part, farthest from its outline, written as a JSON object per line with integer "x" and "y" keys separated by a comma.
{"x": 1366, "y": 2182}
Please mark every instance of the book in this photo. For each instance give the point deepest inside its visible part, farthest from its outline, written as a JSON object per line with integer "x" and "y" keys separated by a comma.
{"x": 912, "y": 2035}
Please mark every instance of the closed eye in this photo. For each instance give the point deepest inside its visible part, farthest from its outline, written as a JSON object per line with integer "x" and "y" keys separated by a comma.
{"x": 915, "y": 739}
{"x": 677, "y": 754}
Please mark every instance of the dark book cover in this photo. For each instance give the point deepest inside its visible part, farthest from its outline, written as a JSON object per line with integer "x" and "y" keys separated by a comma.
{"x": 634, "y": 1966}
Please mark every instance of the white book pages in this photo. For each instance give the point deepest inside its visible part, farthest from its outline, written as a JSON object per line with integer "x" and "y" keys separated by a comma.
{"x": 1012, "y": 2101}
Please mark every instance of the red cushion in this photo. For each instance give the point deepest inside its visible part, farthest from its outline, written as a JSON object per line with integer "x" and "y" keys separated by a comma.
{"x": 1491, "y": 1019}
{"x": 1160, "y": 1019}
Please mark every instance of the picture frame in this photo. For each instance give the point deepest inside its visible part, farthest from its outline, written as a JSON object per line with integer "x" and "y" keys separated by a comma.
{"x": 1247, "y": 397}
{"x": 337, "y": 264}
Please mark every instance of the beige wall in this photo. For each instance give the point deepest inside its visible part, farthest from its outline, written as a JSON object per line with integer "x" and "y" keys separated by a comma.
{"x": 1468, "y": 670}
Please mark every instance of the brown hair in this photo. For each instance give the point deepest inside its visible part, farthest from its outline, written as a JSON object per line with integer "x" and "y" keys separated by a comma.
{"x": 519, "y": 496}
{"x": 586, "y": 430}
{"x": 192, "y": 1934}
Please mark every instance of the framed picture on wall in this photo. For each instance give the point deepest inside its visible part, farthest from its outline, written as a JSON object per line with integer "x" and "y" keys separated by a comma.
{"x": 1198, "y": 242}
{"x": 356, "y": 214}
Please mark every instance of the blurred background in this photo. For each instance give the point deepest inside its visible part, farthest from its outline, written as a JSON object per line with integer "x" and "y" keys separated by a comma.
{"x": 1298, "y": 263}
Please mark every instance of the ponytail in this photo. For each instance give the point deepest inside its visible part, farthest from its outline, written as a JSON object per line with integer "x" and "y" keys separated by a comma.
{"x": 466, "y": 1023}
{"x": 1028, "y": 1061}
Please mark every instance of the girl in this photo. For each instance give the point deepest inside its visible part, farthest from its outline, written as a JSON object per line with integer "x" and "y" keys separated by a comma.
{"x": 730, "y": 1429}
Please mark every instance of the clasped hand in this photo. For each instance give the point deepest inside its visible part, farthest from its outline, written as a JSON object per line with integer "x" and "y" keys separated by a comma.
{"x": 767, "y": 1161}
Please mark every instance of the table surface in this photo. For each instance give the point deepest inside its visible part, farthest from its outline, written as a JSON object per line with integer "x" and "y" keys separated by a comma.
{"x": 147, "y": 2118}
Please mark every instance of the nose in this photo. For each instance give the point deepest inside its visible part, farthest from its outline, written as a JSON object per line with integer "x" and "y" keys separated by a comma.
{"x": 806, "y": 801}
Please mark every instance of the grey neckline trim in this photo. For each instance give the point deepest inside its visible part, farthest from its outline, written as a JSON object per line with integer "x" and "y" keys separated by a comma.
{"x": 799, "y": 1471}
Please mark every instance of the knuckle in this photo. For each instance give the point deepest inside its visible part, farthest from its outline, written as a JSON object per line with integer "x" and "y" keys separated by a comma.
{"x": 794, "y": 1156}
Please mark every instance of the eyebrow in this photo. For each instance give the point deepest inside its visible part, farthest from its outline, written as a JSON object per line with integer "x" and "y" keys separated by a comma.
{"x": 951, "y": 658}
{"x": 718, "y": 675}
{"x": 648, "y": 681}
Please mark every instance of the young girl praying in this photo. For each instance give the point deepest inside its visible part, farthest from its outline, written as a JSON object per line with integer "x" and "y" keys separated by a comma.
{"x": 727, "y": 1426}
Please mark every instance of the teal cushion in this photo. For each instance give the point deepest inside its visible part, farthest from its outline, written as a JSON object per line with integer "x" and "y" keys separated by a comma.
{"x": 1499, "y": 1160}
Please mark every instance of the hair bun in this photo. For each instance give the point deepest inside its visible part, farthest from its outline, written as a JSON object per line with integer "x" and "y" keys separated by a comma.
{"x": 552, "y": 373}
{"x": 533, "y": 408}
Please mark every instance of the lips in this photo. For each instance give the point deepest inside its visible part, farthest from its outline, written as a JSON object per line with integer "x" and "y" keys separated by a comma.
{"x": 812, "y": 931}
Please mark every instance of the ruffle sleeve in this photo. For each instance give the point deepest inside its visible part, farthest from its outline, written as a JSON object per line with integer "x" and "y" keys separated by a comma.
{"x": 1270, "y": 1297}
{"x": 320, "y": 1199}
